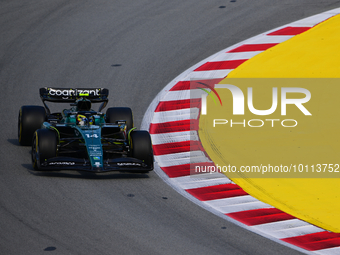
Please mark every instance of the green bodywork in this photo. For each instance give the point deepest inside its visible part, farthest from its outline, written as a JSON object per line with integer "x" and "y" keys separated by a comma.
{"x": 90, "y": 134}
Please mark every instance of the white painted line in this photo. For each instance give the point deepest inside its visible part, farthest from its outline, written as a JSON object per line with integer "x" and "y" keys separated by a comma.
{"x": 177, "y": 159}
{"x": 175, "y": 115}
{"x": 330, "y": 251}
{"x": 182, "y": 95}
{"x": 271, "y": 39}
{"x": 195, "y": 181}
{"x": 288, "y": 228}
{"x": 207, "y": 75}
{"x": 174, "y": 137}
{"x": 313, "y": 20}
{"x": 235, "y": 56}
{"x": 237, "y": 204}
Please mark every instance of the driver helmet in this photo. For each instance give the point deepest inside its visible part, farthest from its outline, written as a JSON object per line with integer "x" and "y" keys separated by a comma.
{"x": 82, "y": 120}
{"x": 83, "y": 104}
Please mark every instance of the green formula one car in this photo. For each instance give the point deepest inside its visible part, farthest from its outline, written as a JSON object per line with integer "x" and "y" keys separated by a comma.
{"x": 79, "y": 138}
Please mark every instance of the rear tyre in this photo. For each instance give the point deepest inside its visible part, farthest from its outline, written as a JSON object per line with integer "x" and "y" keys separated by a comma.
{"x": 141, "y": 147}
{"x": 44, "y": 146}
{"x": 31, "y": 117}
{"x": 114, "y": 114}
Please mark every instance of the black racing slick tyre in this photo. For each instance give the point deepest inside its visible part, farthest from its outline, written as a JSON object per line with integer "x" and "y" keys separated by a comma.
{"x": 141, "y": 146}
{"x": 44, "y": 146}
{"x": 31, "y": 117}
{"x": 114, "y": 114}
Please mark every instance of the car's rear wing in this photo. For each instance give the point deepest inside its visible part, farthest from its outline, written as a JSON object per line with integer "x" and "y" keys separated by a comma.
{"x": 64, "y": 95}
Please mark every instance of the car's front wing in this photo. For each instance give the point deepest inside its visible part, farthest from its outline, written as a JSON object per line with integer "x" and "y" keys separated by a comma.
{"x": 126, "y": 164}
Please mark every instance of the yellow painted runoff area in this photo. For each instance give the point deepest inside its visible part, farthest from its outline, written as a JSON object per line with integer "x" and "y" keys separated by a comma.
{"x": 296, "y": 154}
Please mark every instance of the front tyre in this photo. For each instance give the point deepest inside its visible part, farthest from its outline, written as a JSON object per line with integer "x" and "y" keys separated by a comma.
{"x": 114, "y": 114}
{"x": 141, "y": 147}
{"x": 44, "y": 146}
{"x": 31, "y": 117}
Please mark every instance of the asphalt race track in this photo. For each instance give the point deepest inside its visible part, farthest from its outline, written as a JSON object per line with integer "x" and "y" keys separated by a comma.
{"x": 133, "y": 48}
